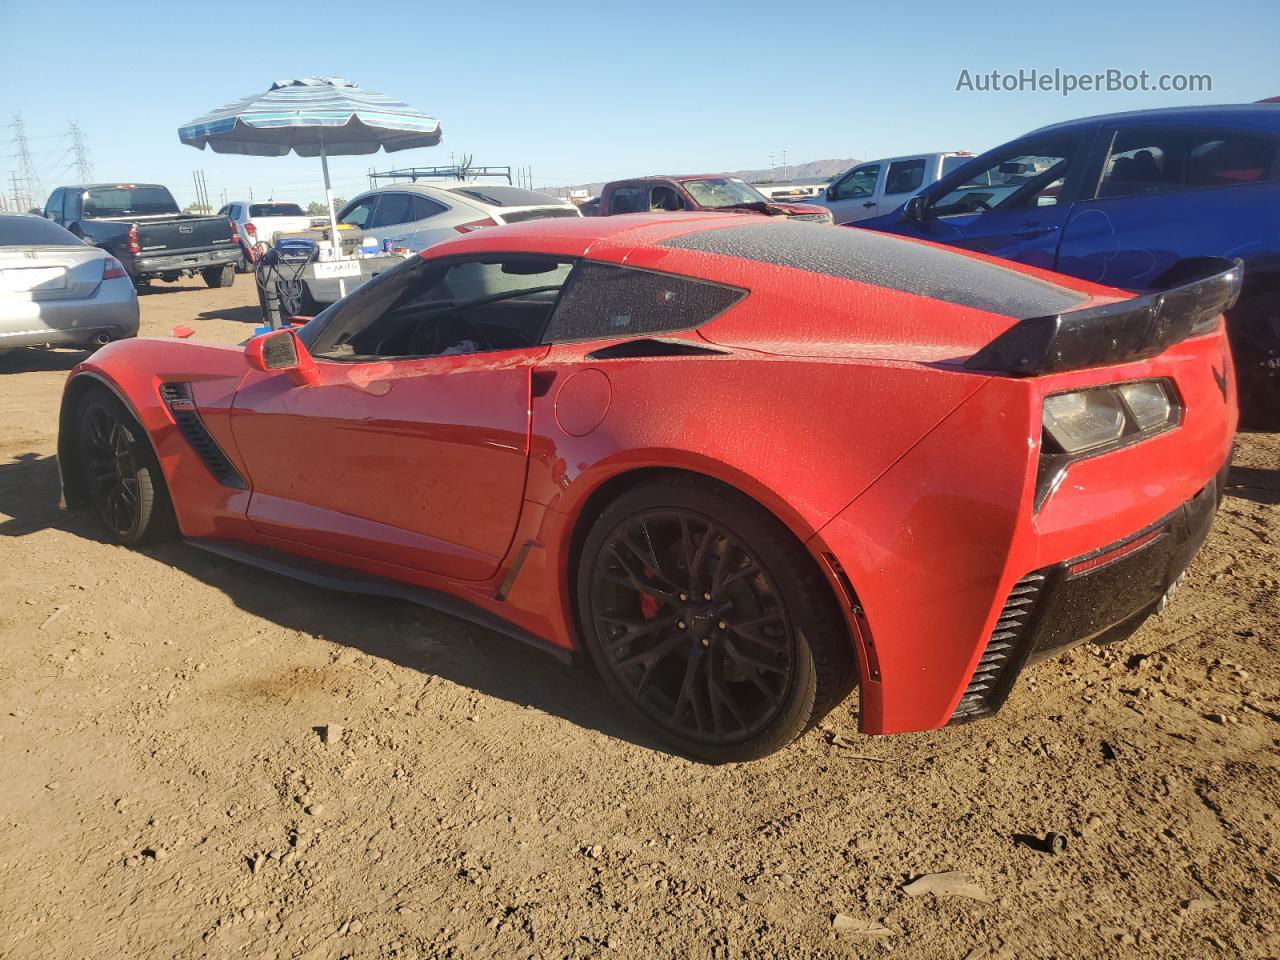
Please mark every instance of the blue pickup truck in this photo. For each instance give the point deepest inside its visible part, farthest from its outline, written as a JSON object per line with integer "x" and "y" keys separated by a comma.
{"x": 1132, "y": 200}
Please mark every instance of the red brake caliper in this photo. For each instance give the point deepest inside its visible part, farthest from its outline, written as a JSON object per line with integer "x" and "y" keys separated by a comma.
{"x": 648, "y": 602}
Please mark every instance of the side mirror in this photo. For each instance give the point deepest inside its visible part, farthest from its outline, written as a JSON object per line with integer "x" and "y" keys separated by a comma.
{"x": 281, "y": 352}
{"x": 829, "y": 192}
{"x": 916, "y": 209}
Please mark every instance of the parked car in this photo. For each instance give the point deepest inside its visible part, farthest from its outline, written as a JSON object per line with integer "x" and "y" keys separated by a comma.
{"x": 1133, "y": 200}
{"x": 258, "y": 222}
{"x": 701, "y": 192}
{"x": 141, "y": 226}
{"x": 56, "y": 290}
{"x": 417, "y": 215}
{"x": 882, "y": 185}
{"x": 794, "y": 456}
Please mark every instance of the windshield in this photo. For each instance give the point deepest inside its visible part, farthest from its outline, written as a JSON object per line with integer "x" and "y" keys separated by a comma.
{"x": 713, "y": 192}
{"x": 125, "y": 200}
{"x": 275, "y": 210}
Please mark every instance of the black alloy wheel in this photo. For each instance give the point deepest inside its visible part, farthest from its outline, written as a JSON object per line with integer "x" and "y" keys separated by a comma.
{"x": 120, "y": 472}
{"x": 702, "y": 613}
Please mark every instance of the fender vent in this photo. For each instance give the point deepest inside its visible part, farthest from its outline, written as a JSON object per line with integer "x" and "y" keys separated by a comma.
{"x": 182, "y": 407}
{"x": 1000, "y": 661}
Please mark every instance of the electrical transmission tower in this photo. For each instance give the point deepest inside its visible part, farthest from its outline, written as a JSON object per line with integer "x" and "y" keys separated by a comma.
{"x": 81, "y": 152}
{"x": 29, "y": 193}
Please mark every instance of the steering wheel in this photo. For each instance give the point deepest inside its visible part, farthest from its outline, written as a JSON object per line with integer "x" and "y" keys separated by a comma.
{"x": 428, "y": 337}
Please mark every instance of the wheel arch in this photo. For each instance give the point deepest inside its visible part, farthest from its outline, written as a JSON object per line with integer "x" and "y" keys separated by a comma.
{"x": 74, "y": 495}
{"x": 608, "y": 489}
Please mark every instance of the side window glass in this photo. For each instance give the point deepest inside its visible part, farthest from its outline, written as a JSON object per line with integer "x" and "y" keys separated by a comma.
{"x": 629, "y": 200}
{"x": 393, "y": 209}
{"x": 420, "y": 208}
{"x": 857, "y": 183}
{"x": 54, "y": 206}
{"x": 1223, "y": 161}
{"x": 664, "y": 199}
{"x": 358, "y": 213}
{"x": 1141, "y": 161}
{"x": 430, "y": 309}
{"x": 1028, "y": 175}
{"x": 70, "y": 201}
{"x": 904, "y": 176}
{"x": 607, "y": 302}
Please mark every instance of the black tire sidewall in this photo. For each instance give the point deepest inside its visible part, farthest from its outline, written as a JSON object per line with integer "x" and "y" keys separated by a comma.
{"x": 1252, "y": 344}
{"x": 786, "y": 564}
{"x": 155, "y": 513}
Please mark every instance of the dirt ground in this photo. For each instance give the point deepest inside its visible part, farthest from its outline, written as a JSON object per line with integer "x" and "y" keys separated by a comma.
{"x": 165, "y": 790}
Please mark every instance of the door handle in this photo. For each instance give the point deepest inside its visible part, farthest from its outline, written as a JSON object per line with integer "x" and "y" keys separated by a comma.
{"x": 869, "y": 203}
{"x": 1036, "y": 231}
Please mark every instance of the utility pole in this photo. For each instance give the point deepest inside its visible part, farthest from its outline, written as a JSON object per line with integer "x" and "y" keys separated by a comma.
{"x": 784, "y": 165}
{"x": 83, "y": 170}
{"x": 30, "y": 181}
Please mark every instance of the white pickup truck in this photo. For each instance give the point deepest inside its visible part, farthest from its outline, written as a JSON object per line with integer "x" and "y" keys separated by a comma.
{"x": 881, "y": 186}
{"x": 257, "y": 222}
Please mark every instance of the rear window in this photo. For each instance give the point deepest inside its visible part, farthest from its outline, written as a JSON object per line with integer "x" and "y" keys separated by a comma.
{"x": 540, "y": 214}
{"x": 34, "y": 232}
{"x": 275, "y": 210}
{"x": 953, "y": 163}
{"x": 504, "y": 196}
{"x": 602, "y": 302}
{"x": 125, "y": 200}
{"x": 887, "y": 261}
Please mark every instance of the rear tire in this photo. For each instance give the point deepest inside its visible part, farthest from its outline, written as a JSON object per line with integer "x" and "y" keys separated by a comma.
{"x": 120, "y": 472}
{"x": 1254, "y": 329}
{"x": 244, "y": 264}
{"x": 223, "y": 276}
{"x": 710, "y": 621}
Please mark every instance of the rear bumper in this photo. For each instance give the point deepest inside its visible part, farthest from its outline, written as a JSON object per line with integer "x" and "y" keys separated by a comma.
{"x": 113, "y": 310}
{"x": 144, "y": 265}
{"x": 1103, "y": 596}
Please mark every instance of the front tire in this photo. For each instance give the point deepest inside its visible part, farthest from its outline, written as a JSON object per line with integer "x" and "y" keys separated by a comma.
{"x": 710, "y": 621}
{"x": 223, "y": 276}
{"x": 121, "y": 475}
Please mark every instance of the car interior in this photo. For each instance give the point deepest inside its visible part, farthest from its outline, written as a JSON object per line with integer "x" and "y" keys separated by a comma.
{"x": 463, "y": 308}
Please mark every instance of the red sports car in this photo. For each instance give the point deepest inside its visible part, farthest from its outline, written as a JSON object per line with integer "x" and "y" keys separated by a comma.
{"x": 743, "y": 465}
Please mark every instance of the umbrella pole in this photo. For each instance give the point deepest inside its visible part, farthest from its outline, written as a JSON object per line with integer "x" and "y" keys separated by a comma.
{"x": 333, "y": 219}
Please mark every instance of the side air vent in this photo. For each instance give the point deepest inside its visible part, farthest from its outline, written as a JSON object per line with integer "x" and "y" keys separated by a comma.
{"x": 994, "y": 674}
{"x": 648, "y": 347}
{"x": 177, "y": 397}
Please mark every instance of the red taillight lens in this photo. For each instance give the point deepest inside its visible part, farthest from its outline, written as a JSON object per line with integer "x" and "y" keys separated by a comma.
{"x": 476, "y": 225}
{"x": 134, "y": 247}
{"x": 235, "y": 231}
{"x": 251, "y": 230}
{"x": 112, "y": 269}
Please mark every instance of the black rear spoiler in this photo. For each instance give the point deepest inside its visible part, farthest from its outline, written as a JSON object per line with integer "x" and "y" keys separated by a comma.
{"x": 1117, "y": 332}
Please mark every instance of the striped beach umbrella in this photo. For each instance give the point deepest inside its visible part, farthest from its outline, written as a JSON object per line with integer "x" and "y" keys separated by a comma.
{"x": 313, "y": 117}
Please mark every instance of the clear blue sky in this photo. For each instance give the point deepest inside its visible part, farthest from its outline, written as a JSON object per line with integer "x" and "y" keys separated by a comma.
{"x": 592, "y": 91}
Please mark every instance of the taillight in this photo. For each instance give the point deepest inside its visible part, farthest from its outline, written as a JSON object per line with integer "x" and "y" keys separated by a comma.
{"x": 250, "y": 229}
{"x": 235, "y": 233}
{"x": 134, "y": 246}
{"x": 112, "y": 269}
{"x": 476, "y": 225}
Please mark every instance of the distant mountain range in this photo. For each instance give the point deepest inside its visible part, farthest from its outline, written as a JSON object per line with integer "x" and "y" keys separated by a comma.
{"x": 813, "y": 170}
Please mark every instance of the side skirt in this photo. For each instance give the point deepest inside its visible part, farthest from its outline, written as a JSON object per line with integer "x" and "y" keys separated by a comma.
{"x": 329, "y": 577}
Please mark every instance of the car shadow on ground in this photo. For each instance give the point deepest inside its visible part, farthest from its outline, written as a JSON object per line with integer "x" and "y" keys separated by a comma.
{"x": 1252, "y": 483}
{"x": 250, "y": 314}
{"x": 414, "y": 637}
{"x": 40, "y": 360}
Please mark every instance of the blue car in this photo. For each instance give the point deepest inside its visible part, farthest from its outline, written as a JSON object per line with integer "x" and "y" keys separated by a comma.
{"x": 1133, "y": 200}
